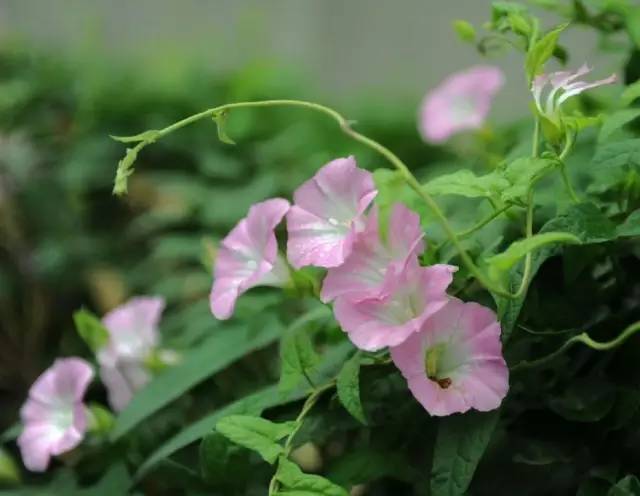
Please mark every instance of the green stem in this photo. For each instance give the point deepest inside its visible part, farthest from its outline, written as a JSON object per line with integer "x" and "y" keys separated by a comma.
{"x": 568, "y": 145}
{"x": 476, "y": 227}
{"x": 583, "y": 338}
{"x": 345, "y": 125}
{"x": 309, "y": 403}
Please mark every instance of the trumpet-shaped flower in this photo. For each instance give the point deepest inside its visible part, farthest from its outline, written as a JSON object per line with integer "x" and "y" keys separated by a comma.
{"x": 409, "y": 299}
{"x": 460, "y": 102}
{"x": 328, "y": 214}
{"x": 248, "y": 257}
{"x": 54, "y": 416}
{"x": 561, "y": 85}
{"x": 454, "y": 363}
{"x": 133, "y": 335}
{"x": 373, "y": 260}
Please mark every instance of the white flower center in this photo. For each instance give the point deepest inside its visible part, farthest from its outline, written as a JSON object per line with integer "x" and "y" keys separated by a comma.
{"x": 252, "y": 264}
{"x": 333, "y": 222}
{"x": 62, "y": 417}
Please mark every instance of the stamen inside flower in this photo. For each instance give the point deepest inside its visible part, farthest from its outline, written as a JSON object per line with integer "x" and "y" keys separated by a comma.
{"x": 432, "y": 358}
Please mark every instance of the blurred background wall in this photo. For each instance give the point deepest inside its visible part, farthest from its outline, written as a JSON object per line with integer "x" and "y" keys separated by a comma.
{"x": 346, "y": 49}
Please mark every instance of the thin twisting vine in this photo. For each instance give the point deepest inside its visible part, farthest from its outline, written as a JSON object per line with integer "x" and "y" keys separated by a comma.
{"x": 125, "y": 170}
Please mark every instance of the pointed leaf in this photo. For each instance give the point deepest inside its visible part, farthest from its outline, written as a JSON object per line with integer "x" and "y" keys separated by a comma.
{"x": 348, "y": 385}
{"x": 221, "y": 121}
{"x": 297, "y": 483}
{"x": 91, "y": 329}
{"x": 297, "y": 356}
{"x": 257, "y": 434}
{"x": 541, "y": 52}
{"x": 460, "y": 444}
{"x": 615, "y": 121}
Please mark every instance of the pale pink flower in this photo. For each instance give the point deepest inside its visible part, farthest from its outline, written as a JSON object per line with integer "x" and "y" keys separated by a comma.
{"x": 409, "y": 299}
{"x": 248, "y": 257}
{"x": 328, "y": 213}
{"x": 54, "y": 417}
{"x": 133, "y": 335}
{"x": 460, "y": 102}
{"x": 374, "y": 260}
{"x": 561, "y": 85}
{"x": 454, "y": 363}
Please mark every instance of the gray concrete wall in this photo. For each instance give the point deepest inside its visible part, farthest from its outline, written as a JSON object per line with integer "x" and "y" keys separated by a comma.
{"x": 348, "y": 48}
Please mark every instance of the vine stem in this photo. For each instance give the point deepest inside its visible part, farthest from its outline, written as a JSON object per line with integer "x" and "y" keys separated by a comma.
{"x": 583, "y": 338}
{"x": 568, "y": 145}
{"x": 345, "y": 126}
{"x": 309, "y": 403}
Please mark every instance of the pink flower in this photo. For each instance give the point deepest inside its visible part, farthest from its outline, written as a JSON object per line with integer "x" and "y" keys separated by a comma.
{"x": 54, "y": 416}
{"x": 248, "y": 257}
{"x": 562, "y": 86}
{"x": 454, "y": 363}
{"x": 409, "y": 299}
{"x": 460, "y": 102}
{"x": 133, "y": 335}
{"x": 374, "y": 261}
{"x": 328, "y": 213}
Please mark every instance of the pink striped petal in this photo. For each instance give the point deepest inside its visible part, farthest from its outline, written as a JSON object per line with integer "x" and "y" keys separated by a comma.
{"x": 411, "y": 298}
{"x": 248, "y": 257}
{"x": 328, "y": 213}
{"x": 454, "y": 363}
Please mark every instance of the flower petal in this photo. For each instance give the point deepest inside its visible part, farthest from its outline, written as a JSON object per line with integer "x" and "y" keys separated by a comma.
{"x": 247, "y": 256}
{"x": 412, "y": 297}
{"x": 371, "y": 261}
{"x": 328, "y": 213}
{"x": 461, "y": 346}
{"x": 133, "y": 328}
{"x": 460, "y": 102}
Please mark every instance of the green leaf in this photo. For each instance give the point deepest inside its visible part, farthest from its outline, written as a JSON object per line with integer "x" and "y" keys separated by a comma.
{"x": 125, "y": 169}
{"x": 257, "y": 434}
{"x": 9, "y": 472}
{"x": 502, "y": 10}
{"x": 629, "y": 486}
{"x": 348, "y": 385}
{"x": 297, "y": 356}
{"x": 214, "y": 354}
{"x": 584, "y": 400}
{"x": 91, "y": 329}
{"x": 519, "y": 24}
{"x": 586, "y": 222}
{"x": 297, "y": 483}
{"x": 632, "y": 21}
{"x": 116, "y": 480}
{"x": 253, "y": 404}
{"x": 367, "y": 464}
{"x": 466, "y": 183}
{"x": 613, "y": 162}
{"x": 460, "y": 444}
{"x": 464, "y": 30}
{"x": 11, "y": 433}
{"x": 630, "y": 93}
{"x": 631, "y": 226}
{"x": 615, "y": 121}
{"x": 518, "y": 249}
{"x": 521, "y": 173}
{"x": 148, "y": 136}
{"x": 215, "y": 453}
{"x": 221, "y": 121}
{"x": 542, "y": 51}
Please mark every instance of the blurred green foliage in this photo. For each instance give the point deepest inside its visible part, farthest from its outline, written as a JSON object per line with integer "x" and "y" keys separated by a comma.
{"x": 66, "y": 242}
